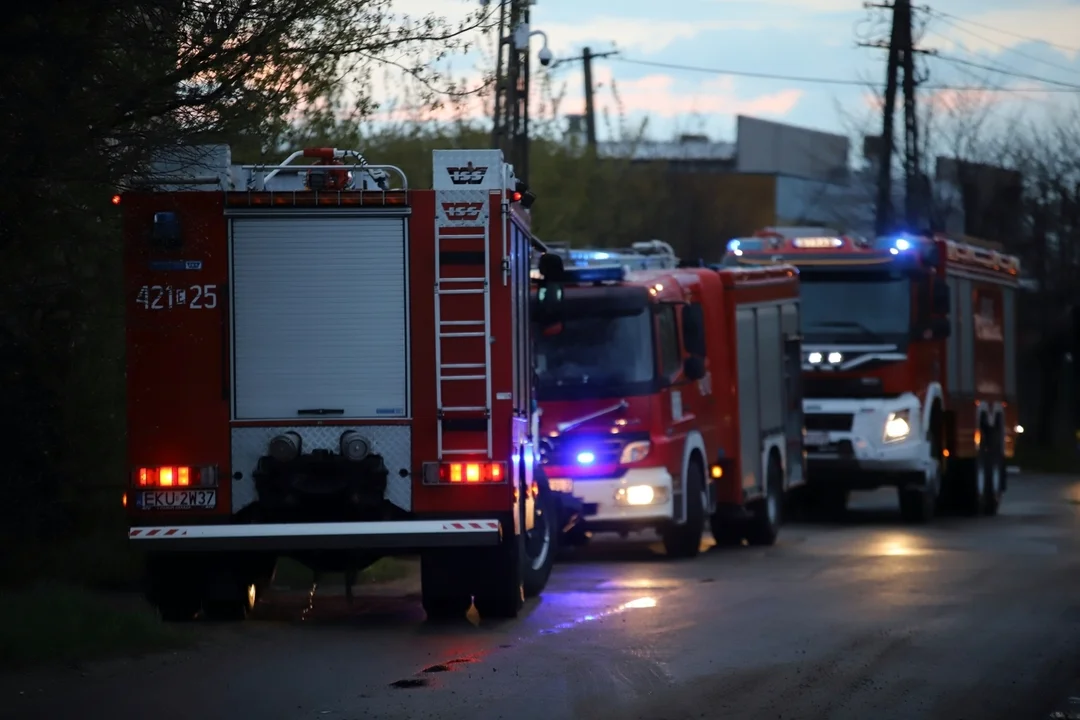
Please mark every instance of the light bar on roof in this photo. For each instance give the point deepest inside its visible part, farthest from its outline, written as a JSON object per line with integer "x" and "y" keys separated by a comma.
{"x": 817, "y": 242}
{"x": 596, "y": 273}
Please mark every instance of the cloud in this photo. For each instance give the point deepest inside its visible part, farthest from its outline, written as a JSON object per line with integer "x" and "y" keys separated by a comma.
{"x": 960, "y": 101}
{"x": 662, "y": 96}
{"x": 656, "y": 96}
{"x": 638, "y": 34}
{"x": 1055, "y": 23}
{"x": 802, "y": 6}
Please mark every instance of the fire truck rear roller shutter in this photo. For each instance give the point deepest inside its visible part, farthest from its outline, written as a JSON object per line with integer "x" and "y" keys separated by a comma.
{"x": 319, "y": 316}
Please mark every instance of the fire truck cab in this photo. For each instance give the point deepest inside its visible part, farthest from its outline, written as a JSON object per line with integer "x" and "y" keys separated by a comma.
{"x": 670, "y": 399}
{"x": 909, "y": 364}
{"x": 328, "y": 365}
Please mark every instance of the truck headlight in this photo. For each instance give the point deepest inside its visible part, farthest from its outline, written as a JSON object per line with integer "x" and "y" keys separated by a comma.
{"x": 897, "y": 426}
{"x": 634, "y": 452}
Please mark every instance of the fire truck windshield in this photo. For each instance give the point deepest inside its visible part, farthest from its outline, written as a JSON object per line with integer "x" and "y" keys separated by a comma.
{"x": 855, "y": 306}
{"x": 596, "y": 355}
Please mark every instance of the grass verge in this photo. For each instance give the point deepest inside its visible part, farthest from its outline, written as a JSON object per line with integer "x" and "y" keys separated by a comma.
{"x": 55, "y": 622}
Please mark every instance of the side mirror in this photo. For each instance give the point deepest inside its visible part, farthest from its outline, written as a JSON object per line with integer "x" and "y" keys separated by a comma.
{"x": 693, "y": 329}
{"x": 551, "y": 267}
{"x": 941, "y": 298}
{"x": 550, "y": 293}
{"x": 694, "y": 367}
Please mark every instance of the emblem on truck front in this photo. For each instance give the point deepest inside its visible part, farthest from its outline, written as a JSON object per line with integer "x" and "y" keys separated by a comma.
{"x": 468, "y": 175}
{"x": 467, "y": 211}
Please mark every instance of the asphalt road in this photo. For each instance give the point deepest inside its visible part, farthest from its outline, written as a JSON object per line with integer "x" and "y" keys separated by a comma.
{"x": 866, "y": 619}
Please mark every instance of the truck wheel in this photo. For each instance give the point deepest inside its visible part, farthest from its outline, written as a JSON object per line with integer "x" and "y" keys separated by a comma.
{"x": 917, "y": 505}
{"x": 173, "y": 588}
{"x": 684, "y": 541}
{"x": 444, "y": 587}
{"x": 499, "y": 591}
{"x": 968, "y": 480}
{"x": 767, "y": 513}
{"x": 231, "y": 609}
{"x": 542, "y": 542}
{"x": 994, "y": 473}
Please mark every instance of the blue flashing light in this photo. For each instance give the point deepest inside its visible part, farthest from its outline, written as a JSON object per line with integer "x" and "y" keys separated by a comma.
{"x": 596, "y": 273}
{"x": 586, "y": 458}
{"x": 896, "y": 244}
{"x": 589, "y": 255}
{"x": 741, "y": 245}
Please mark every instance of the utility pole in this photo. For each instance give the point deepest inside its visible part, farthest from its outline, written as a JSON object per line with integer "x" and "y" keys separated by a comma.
{"x": 902, "y": 50}
{"x": 586, "y": 57}
{"x": 510, "y": 132}
{"x": 590, "y": 107}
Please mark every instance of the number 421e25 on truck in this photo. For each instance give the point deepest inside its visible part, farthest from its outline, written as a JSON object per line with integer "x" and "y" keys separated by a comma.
{"x": 323, "y": 365}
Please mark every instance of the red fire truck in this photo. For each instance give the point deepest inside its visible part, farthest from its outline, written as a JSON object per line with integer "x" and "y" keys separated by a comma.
{"x": 909, "y": 364}
{"x": 326, "y": 365}
{"x": 670, "y": 398}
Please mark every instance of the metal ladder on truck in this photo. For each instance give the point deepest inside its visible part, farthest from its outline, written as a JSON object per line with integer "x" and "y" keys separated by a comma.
{"x": 464, "y": 336}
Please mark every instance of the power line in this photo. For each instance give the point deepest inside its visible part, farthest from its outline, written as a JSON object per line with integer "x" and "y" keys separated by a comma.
{"x": 1002, "y": 71}
{"x": 831, "y": 81}
{"x": 1003, "y": 46}
{"x": 739, "y": 73}
{"x": 1027, "y": 38}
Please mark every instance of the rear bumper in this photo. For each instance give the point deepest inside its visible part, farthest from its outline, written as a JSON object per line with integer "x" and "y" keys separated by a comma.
{"x": 285, "y": 537}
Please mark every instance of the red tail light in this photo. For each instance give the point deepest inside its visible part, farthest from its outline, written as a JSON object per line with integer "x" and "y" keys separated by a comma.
{"x": 170, "y": 476}
{"x": 464, "y": 473}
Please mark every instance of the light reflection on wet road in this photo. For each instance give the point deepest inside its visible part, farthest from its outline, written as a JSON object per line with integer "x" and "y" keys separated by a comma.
{"x": 965, "y": 618}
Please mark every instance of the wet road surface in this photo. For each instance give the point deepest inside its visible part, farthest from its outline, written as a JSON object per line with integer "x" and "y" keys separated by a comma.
{"x": 865, "y": 619}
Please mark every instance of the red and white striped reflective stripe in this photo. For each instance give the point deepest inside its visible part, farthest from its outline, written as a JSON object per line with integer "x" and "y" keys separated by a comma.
{"x": 156, "y": 532}
{"x": 487, "y": 525}
{"x": 406, "y": 527}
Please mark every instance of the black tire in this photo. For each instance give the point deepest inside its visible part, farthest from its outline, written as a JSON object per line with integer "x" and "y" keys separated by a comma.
{"x": 232, "y": 606}
{"x": 173, "y": 587}
{"x": 918, "y": 505}
{"x": 444, "y": 586}
{"x": 766, "y": 515}
{"x": 499, "y": 591}
{"x": 684, "y": 541}
{"x": 994, "y": 463}
{"x": 542, "y": 542}
{"x": 964, "y": 493}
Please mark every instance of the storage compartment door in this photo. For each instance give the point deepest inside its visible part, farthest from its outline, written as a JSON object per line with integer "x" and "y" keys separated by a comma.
{"x": 319, "y": 318}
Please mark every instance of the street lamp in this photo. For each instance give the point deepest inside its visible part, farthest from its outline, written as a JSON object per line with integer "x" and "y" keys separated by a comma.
{"x": 522, "y": 35}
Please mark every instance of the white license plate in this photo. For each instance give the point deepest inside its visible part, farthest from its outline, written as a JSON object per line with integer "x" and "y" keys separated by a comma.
{"x": 562, "y": 485}
{"x": 816, "y": 439}
{"x": 177, "y": 500}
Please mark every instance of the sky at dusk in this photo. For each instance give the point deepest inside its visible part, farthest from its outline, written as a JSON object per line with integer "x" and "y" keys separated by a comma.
{"x": 1036, "y": 39}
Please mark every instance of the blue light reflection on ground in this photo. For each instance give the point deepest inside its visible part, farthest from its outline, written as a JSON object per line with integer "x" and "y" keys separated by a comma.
{"x": 636, "y": 604}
